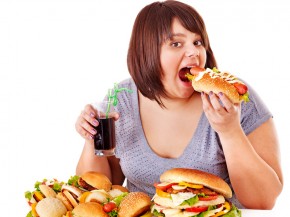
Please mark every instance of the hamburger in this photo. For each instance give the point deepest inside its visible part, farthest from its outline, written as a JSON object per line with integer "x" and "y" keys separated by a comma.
{"x": 189, "y": 192}
{"x": 94, "y": 180}
{"x": 206, "y": 80}
{"x": 135, "y": 204}
{"x": 89, "y": 209}
{"x": 42, "y": 190}
{"x": 69, "y": 196}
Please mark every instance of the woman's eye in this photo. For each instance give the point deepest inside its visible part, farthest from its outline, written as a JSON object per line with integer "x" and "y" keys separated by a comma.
{"x": 198, "y": 43}
{"x": 176, "y": 44}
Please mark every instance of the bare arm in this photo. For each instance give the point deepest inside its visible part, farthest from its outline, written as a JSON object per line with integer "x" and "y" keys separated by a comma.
{"x": 253, "y": 161}
{"x": 254, "y": 166}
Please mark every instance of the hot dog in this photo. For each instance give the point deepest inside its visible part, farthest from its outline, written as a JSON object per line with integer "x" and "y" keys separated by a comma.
{"x": 206, "y": 80}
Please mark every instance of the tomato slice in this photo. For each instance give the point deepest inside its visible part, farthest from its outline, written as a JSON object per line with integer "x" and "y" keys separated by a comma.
{"x": 196, "y": 70}
{"x": 207, "y": 198}
{"x": 163, "y": 186}
{"x": 197, "y": 209}
{"x": 108, "y": 207}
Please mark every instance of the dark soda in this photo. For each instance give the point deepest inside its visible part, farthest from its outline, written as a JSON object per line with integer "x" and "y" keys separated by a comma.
{"x": 105, "y": 138}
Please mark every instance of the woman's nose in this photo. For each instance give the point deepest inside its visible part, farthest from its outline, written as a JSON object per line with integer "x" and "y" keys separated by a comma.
{"x": 192, "y": 51}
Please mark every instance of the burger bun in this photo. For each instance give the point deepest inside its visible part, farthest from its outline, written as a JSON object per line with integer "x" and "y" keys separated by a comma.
{"x": 197, "y": 177}
{"x": 50, "y": 207}
{"x": 90, "y": 209}
{"x": 134, "y": 204}
{"x": 96, "y": 180}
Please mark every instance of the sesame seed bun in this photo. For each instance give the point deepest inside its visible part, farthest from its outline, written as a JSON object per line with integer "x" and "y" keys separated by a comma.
{"x": 49, "y": 207}
{"x": 197, "y": 177}
{"x": 134, "y": 204}
{"x": 97, "y": 180}
{"x": 90, "y": 209}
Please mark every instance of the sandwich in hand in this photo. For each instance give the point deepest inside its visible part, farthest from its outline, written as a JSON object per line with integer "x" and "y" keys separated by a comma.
{"x": 206, "y": 80}
{"x": 189, "y": 192}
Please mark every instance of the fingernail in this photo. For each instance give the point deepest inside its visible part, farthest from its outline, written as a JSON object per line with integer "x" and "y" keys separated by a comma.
{"x": 221, "y": 94}
{"x": 92, "y": 114}
{"x": 91, "y": 136}
{"x": 93, "y": 131}
{"x": 95, "y": 123}
{"x": 210, "y": 93}
{"x": 202, "y": 93}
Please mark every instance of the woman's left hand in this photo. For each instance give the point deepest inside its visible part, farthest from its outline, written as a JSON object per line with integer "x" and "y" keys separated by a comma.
{"x": 222, "y": 114}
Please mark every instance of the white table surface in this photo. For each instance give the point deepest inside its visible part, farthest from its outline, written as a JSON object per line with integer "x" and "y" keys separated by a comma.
{"x": 261, "y": 213}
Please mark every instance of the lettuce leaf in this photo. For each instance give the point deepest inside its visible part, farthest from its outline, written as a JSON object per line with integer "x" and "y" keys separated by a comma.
{"x": 113, "y": 213}
{"x": 190, "y": 201}
{"x": 28, "y": 195}
{"x": 73, "y": 180}
{"x": 29, "y": 214}
{"x": 118, "y": 199}
{"x": 156, "y": 213}
{"x": 234, "y": 212}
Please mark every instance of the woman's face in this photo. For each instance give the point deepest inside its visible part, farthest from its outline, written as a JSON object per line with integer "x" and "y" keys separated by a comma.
{"x": 178, "y": 54}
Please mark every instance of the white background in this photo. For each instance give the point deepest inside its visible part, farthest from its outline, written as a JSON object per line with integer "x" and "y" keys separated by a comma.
{"x": 56, "y": 56}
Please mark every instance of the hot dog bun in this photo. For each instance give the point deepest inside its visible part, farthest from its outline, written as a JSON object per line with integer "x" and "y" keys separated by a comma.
{"x": 216, "y": 81}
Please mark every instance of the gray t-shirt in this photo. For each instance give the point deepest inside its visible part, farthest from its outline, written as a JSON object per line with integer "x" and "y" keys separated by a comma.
{"x": 142, "y": 167}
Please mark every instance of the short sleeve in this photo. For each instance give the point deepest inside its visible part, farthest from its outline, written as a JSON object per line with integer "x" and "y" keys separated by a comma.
{"x": 253, "y": 113}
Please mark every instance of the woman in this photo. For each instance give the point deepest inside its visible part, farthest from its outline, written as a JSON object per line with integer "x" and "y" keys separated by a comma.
{"x": 166, "y": 124}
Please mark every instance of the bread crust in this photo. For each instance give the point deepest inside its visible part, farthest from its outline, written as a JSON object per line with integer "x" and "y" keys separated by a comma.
{"x": 90, "y": 209}
{"x": 134, "y": 204}
{"x": 197, "y": 177}
{"x": 70, "y": 198}
{"x": 120, "y": 187}
{"x": 49, "y": 207}
{"x": 65, "y": 201}
{"x": 97, "y": 180}
{"x": 217, "y": 84}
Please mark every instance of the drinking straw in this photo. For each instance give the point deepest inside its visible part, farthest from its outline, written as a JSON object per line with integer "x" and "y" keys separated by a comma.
{"x": 113, "y": 97}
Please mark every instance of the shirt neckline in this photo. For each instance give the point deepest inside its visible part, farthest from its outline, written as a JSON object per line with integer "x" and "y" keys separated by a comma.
{"x": 145, "y": 146}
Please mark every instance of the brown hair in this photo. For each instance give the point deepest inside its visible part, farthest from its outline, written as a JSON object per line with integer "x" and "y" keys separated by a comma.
{"x": 152, "y": 26}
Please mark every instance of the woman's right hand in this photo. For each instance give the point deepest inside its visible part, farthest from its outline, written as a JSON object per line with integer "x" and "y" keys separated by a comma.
{"x": 86, "y": 122}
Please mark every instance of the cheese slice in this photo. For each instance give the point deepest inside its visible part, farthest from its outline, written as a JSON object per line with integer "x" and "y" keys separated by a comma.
{"x": 171, "y": 212}
{"x": 180, "y": 197}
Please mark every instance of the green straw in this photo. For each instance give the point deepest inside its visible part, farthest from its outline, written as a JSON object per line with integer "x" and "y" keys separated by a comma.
{"x": 114, "y": 97}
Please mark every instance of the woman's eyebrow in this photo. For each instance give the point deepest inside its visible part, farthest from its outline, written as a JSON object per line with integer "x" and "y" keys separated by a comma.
{"x": 175, "y": 35}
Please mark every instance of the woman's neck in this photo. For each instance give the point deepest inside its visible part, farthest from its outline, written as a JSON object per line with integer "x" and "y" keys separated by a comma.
{"x": 172, "y": 103}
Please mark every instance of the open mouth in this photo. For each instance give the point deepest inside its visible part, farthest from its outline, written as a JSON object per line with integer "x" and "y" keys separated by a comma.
{"x": 182, "y": 74}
